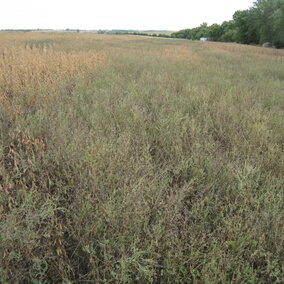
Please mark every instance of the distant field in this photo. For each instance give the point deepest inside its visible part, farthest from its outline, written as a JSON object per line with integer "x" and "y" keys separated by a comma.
{"x": 140, "y": 160}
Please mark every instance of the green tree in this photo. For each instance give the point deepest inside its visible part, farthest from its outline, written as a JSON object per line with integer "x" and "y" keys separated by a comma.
{"x": 270, "y": 15}
{"x": 264, "y": 22}
{"x": 182, "y": 34}
{"x": 229, "y": 31}
{"x": 246, "y": 26}
{"x": 201, "y": 31}
{"x": 215, "y": 32}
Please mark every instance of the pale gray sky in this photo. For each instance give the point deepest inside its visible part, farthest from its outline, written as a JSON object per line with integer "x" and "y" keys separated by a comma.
{"x": 112, "y": 14}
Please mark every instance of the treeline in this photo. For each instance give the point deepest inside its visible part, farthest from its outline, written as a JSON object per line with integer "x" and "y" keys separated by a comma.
{"x": 134, "y": 32}
{"x": 152, "y": 34}
{"x": 264, "y": 22}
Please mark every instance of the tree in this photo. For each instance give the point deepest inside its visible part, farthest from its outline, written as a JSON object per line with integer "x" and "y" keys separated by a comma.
{"x": 182, "y": 34}
{"x": 270, "y": 15}
{"x": 215, "y": 32}
{"x": 201, "y": 31}
{"x": 246, "y": 26}
{"x": 229, "y": 31}
{"x": 264, "y": 22}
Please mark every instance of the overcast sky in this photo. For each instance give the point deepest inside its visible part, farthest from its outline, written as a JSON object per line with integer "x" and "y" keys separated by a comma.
{"x": 115, "y": 14}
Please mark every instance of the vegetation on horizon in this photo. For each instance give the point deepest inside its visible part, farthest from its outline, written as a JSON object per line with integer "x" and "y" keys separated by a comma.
{"x": 137, "y": 160}
{"x": 264, "y": 22}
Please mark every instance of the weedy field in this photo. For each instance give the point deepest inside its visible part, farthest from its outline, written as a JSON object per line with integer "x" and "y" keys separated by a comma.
{"x": 139, "y": 160}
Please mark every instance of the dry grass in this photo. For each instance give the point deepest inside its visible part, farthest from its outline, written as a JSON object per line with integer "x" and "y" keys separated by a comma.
{"x": 137, "y": 160}
{"x": 41, "y": 67}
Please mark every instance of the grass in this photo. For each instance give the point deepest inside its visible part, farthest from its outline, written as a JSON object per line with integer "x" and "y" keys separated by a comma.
{"x": 136, "y": 160}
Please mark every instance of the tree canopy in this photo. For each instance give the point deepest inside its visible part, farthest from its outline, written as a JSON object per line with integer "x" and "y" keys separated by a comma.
{"x": 263, "y": 22}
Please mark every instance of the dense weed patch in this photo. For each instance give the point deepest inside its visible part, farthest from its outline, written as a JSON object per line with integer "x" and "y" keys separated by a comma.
{"x": 129, "y": 160}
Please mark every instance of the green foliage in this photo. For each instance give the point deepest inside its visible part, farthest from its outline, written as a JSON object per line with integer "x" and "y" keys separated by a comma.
{"x": 264, "y": 22}
{"x": 182, "y": 34}
{"x": 271, "y": 21}
{"x": 215, "y": 32}
{"x": 193, "y": 34}
{"x": 247, "y": 26}
{"x": 229, "y": 31}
